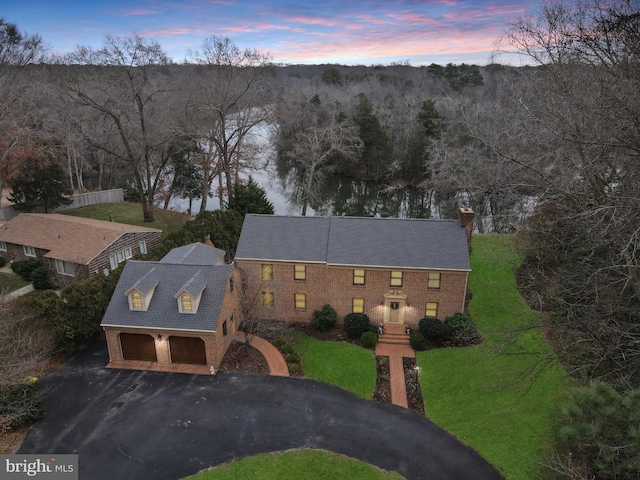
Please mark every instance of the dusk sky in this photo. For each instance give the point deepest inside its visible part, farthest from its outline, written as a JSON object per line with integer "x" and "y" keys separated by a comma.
{"x": 365, "y": 32}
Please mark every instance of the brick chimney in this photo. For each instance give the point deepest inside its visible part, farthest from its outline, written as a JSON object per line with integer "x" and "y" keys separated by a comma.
{"x": 207, "y": 240}
{"x": 466, "y": 221}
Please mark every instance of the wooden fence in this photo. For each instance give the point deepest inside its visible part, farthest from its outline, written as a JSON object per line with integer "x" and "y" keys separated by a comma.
{"x": 81, "y": 200}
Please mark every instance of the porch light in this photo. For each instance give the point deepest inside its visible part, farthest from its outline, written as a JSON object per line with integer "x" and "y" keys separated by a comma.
{"x": 159, "y": 337}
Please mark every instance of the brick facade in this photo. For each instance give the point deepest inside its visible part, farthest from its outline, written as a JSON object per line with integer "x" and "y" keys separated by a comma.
{"x": 216, "y": 342}
{"x": 333, "y": 285}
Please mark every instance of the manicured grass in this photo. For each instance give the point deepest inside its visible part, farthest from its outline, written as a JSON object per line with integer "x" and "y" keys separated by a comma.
{"x": 498, "y": 397}
{"x": 10, "y": 282}
{"x": 297, "y": 465}
{"x": 342, "y": 364}
{"x": 129, "y": 213}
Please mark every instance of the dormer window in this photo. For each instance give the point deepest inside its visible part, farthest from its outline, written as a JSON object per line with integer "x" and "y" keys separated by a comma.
{"x": 186, "y": 302}
{"x": 189, "y": 295}
{"x": 140, "y": 294}
{"x": 136, "y": 301}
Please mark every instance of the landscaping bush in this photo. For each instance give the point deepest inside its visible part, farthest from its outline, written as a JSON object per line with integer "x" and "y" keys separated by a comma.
{"x": 42, "y": 278}
{"x": 369, "y": 339}
{"x": 20, "y": 405}
{"x": 287, "y": 349}
{"x": 323, "y": 320}
{"x": 432, "y": 329}
{"x": 293, "y": 368}
{"x": 278, "y": 342}
{"x": 355, "y": 324}
{"x": 292, "y": 358}
{"x": 417, "y": 341}
{"x": 461, "y": 327}
{"x": 24, "y": 268}
{"x": 3, "y": 262}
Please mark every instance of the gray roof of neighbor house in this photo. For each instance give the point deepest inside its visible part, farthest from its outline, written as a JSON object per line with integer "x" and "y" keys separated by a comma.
{"x": 195, "y": 254}
{"x": 163, "y": 310}
{"x": 73, "y": 239}
{"x": 355, "y": 241}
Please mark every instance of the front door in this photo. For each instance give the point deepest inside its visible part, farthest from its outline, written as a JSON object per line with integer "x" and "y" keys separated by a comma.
{"x": 394, "y": 303}
{"x": 394, "y": 312}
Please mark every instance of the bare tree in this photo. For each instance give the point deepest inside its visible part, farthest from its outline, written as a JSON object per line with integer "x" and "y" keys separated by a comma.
{"x": 17, "y": 50}
{"x": 586, "y": 97}
{"x": 317, "y": 152}
{"x": 229, "y": 95}
{"x": 125, "y": 91}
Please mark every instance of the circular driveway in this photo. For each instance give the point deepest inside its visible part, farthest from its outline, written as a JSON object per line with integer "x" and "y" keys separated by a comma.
{"x": 134, "y": 425}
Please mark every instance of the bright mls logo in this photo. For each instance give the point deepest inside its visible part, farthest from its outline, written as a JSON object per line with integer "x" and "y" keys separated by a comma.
{"x": 51, "y": 467}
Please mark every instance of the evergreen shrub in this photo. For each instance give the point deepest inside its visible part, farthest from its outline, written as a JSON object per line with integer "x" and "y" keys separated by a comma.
{"x": 369, "y": 339}
{"x": 432, "y": 329}
{"x": 355, "y": 324}
{"x": 323, "y": 320}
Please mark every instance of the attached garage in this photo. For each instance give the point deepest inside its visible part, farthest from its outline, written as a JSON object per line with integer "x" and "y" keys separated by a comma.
{"x": 136, "y": 346}
{"x": 190, "y": 350}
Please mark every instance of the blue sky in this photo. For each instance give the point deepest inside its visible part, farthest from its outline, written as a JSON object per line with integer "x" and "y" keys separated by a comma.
{"x": 365, "y": 32}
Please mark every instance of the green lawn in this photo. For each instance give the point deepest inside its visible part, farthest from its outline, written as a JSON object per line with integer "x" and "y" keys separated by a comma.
{"x": 498, "y": 397}
{"x": 297, "y": 465}
{"x": 342, "y": 364}
{"x": 129, "y": 213}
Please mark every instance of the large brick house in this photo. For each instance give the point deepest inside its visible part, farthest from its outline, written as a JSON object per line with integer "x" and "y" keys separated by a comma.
{"x": 75, "y": 248}
{"x": 178, "y": 314}
{"x": 394, "y": 270}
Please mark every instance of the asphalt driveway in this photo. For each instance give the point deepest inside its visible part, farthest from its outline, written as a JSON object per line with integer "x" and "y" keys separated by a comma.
{"x": 146, "y": 425}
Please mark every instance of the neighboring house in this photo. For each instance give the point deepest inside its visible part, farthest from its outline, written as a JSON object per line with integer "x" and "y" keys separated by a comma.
{"x": 394, "y": 270}
{"x": 178, "y": 314}
{"x": 74, "y": 247}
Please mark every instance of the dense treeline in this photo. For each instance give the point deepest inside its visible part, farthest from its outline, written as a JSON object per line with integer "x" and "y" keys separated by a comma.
{"x": 561, "y": 136}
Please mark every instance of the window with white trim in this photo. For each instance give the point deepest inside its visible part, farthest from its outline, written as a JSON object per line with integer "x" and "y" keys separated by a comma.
{"x": 143, "y": 247}
{"x": 267, "y": 299}
{"x": 358, "y": 276}
{"x": 3, "y": 246}
{"x": 29, "y": 251}
{"x": 117, "y": 258}
{"x": 396, "y": 278}
{"x": 65, "y": 268}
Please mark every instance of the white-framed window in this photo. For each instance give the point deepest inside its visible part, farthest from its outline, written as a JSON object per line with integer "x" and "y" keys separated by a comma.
{"x": 29, "y": 251}
{"x": 136, "y": 301}
{"x": 186, "y": 303}
{"x": 396, "y": 278}
{"x": 117, "y": 258}
{"x": 65, "y": 268}
{"x": 3, "y": 246}
{"x": 143, "y": 247}
{"x": 358, "y": 276}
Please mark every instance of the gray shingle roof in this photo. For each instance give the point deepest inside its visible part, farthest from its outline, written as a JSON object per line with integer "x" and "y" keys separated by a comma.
{"x": 361, "y": 241}
{"x": 163, "y": 310}
{"x": 195, "y": 254}
{"x": 194, "y": 285}
{"x": 147, "y": 281}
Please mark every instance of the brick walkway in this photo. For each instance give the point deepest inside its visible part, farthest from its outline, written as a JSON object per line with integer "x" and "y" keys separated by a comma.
{"x": 394, "y": 343}
{"x": 275, "y": 360}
